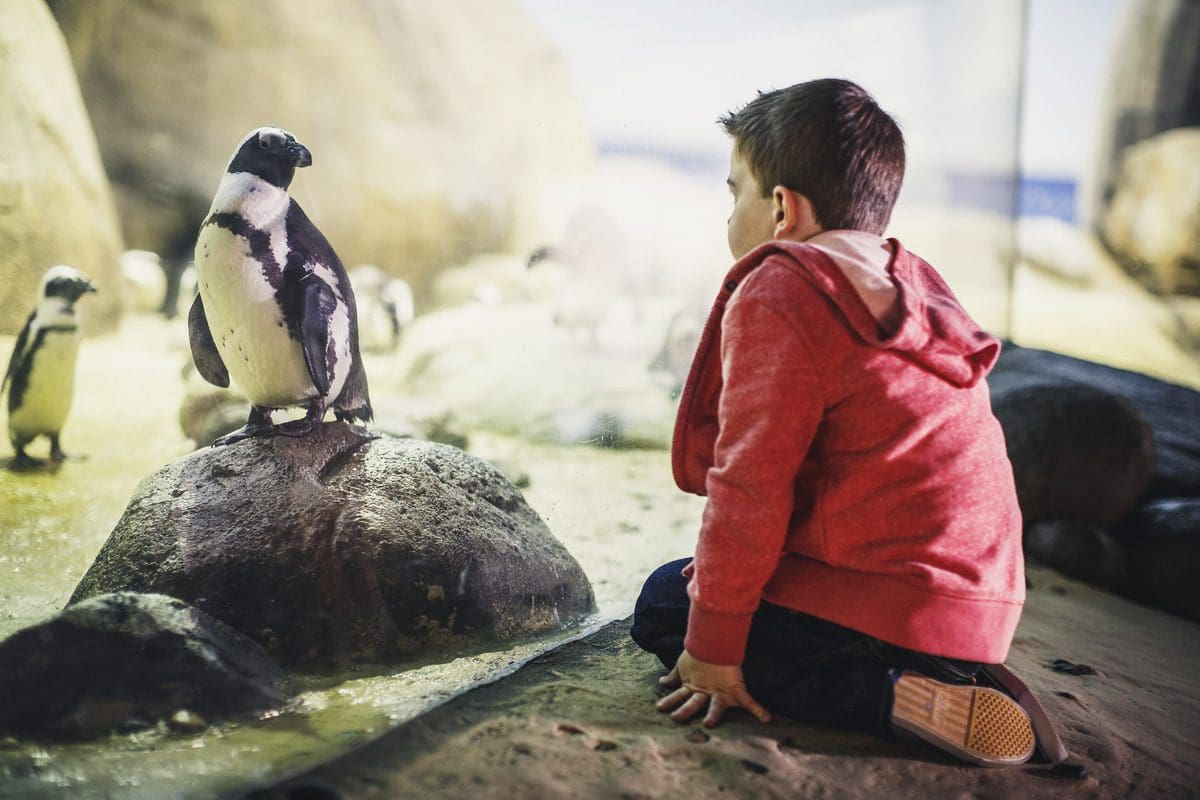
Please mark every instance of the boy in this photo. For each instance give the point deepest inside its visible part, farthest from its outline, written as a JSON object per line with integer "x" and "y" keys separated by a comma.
{"x": 859, "y": 557}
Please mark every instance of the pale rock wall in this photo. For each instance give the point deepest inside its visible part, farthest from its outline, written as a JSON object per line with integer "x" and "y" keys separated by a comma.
{"x": 1153, "y": 218}
{"x": 430, "y": 124}
{"x": 55, "y": 205}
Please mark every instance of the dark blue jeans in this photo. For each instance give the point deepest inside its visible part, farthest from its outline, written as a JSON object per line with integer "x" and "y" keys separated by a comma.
{"x": 797, "y": 665}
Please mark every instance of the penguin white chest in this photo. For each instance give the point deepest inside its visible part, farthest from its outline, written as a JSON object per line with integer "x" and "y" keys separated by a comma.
{"x": 247, "y": 323}
{"x": 50, "y": 386}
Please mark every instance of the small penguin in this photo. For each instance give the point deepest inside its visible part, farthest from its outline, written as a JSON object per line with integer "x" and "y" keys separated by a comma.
{"x": 275, "y": 311}
{"x": 41, "y": 373}
{"x": 385, "y": 307}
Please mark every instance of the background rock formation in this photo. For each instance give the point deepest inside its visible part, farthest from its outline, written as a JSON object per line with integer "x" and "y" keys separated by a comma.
{"x": 1107, "y": 467}
{"x": 1142, "y": 197}
{"x": 55, "y": 206}
{"x": 430, "y": 124}
{"x": 334, "y": 549}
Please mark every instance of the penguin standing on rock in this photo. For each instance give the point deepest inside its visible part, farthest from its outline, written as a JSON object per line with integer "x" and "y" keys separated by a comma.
{"x": 275, "y": 310}
{"x": 41, "y": 373}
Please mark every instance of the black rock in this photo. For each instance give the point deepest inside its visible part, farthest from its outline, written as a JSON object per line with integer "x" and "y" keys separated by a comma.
{"x": 335, "y": 549}
{"x": 1080, "y": 550}
{"x": 1162, "y": 538}
{"x": 1172, "y": 411}
{"x": 1077, "y": 452}
{"x": 123, "y": 661}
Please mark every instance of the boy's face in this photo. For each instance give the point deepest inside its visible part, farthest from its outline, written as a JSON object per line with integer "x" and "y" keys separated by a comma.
{"x": 752, "y": 221}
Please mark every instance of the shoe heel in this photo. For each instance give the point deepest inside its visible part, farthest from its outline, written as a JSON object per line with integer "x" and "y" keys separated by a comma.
{"x": 974, "y": 723}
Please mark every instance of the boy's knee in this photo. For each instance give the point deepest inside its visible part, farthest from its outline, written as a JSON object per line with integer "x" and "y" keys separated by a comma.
{"x": 666, "y": 586}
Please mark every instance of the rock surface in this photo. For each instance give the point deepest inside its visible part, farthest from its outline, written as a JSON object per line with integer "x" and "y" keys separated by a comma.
{"x": 1170, "y": 410}
{"x": 430, "y": 125}
{"x": 1107, "y": 465}
{"x": 1151, "y": 221}
{"x": 335, "y": 549}
{"x": 122, "y": 661}
{"x": 1162, "y": 538}
{"x": 1153, "y": 85}
{"x": 55, "y": 204}
{"x": 1077, "y": 451}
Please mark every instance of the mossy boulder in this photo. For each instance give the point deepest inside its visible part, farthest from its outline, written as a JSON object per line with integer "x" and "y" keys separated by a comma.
{"x": 336, "y": 549}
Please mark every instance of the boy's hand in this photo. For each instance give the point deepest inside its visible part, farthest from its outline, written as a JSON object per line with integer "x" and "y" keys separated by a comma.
{"x": 717, "y": 686}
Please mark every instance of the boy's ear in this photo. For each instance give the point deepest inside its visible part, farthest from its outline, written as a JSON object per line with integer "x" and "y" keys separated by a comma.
{"x": 793, "y": 215}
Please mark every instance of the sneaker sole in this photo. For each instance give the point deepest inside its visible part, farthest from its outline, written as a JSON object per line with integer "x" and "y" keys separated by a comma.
{"x": 1050, "y": 747}
{"x": 976, "y": 724}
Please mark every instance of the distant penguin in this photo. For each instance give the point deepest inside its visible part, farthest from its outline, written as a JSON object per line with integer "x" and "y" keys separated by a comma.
{"x": 41, "y": 373}
{"x": 275, "y": 311}
{"x": 385, "y": 307}
{"x": 145, "y": 280}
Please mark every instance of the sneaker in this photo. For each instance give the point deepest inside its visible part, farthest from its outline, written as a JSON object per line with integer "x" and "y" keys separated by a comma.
{"x": 974, "y": 723}
{"x": 1050, "y": 748}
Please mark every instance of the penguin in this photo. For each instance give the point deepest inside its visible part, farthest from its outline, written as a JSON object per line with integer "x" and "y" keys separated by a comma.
{"x": 41, "y": 373}
{"x": 386, "y": 307}
{"x": 275, "y": 311}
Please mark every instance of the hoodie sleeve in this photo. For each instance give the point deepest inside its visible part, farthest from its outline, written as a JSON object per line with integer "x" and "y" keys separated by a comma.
{"x": 769, "y": 410}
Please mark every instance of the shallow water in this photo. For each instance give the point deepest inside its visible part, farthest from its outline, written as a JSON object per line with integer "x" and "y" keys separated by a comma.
{"x": 617, "y": 512}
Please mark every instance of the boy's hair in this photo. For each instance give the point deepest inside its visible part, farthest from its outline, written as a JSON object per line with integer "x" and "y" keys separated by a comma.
{"x": 828, "y": 140}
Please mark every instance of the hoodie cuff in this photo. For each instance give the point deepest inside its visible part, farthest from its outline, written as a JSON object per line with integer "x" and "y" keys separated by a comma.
{"x": 717, "y": 638}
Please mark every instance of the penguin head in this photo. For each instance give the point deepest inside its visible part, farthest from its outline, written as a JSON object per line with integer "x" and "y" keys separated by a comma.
{"x": 272, "y": 154}
{"x": 65, "y": 283}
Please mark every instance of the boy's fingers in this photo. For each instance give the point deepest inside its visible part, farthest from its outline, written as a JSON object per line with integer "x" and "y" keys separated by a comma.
{"x": 716, "y": 709}
{"x": 693, "y": 706}
{"x": 671, "y": 678}
{"x": 750, "y": 704}
{"x": 673, "y": 699}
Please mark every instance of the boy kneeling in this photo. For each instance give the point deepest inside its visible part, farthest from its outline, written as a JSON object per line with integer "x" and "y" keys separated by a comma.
{"x": 859, "y": 558}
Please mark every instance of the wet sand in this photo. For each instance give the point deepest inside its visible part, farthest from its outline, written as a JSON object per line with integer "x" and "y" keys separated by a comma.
{"x": 579, "y": 723}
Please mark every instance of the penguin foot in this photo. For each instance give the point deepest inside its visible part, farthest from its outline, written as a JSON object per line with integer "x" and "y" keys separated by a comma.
{"x": 22, "y": 462}
{"x": 245, "y": 432}
{"x": 258, "y": 424}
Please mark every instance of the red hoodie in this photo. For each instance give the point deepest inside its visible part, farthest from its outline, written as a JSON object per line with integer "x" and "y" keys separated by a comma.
{"x": 852, "y": 473}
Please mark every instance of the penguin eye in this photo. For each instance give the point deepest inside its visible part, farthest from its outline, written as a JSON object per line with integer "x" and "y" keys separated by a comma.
{"x": 264, "y": 144}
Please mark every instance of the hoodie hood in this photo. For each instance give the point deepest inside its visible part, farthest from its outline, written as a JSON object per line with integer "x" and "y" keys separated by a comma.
{"x": 893, "y": 300}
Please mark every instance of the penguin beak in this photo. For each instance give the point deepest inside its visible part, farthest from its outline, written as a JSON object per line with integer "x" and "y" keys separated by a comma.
{"x": 301, "y": 157}
{"x": 82, "y": 286}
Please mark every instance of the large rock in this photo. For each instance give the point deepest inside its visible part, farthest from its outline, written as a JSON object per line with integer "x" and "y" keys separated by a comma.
{"x": 1170, "y": 410}
{"x": 1153, "y": 85}
{"x": 1151, "y": 222}
{"x": 55, "y": 204}
{"x": 335, "y": 549}
{"x": 122, "y": 661}
{"x": 1107, "y": 465}
{"x": 1077, "y": 451}
{"x": 431, "y": 124}
{"x": 1162, "y": 538}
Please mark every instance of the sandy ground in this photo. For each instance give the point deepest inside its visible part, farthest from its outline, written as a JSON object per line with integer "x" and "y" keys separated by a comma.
{"x": 579, "y": 723}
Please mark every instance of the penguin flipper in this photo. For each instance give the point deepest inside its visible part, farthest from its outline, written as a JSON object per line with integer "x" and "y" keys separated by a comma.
{"x": 204, "y": 349}
{"x": 316, "y": 302}
{"x": 18, "y": 354}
